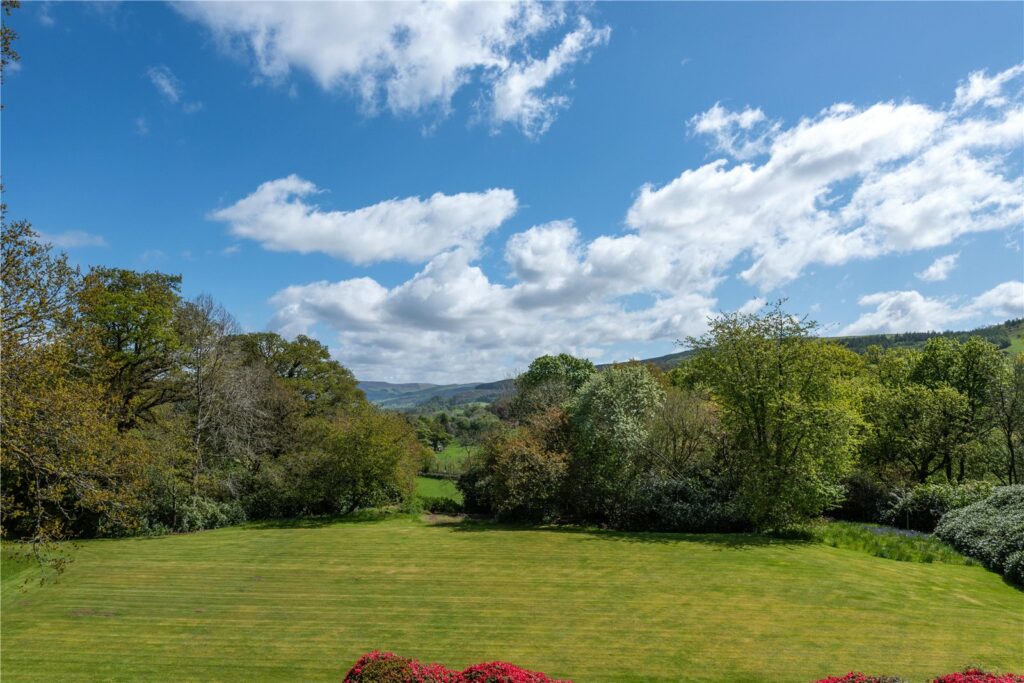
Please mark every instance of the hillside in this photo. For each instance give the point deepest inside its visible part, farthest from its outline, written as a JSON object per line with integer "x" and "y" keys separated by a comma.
{"x": 1008, "y": 335}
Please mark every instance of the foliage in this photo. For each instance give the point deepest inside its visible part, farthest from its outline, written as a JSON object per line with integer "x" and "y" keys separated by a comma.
{"x": 858, "y": 677}
{"x": 991, "y": 530}
{"x": 923, "y": 505}
{"x": 520, "y": 473}
{"x": 611, "y": 419}
{"x": 787, "y": 401}
{"x": 979, "y": 676}
{"x": 387, "y": 667}
{"x": 550, "y": 381}
{"x": 885, "y": 542}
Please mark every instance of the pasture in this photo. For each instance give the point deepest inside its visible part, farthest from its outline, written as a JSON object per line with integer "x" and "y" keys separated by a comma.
{"x": 302, "y": 600}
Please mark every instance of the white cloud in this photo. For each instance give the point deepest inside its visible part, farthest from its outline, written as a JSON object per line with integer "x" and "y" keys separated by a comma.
{"x": 170, "y": 88}
{"x": 980, "y": 88}
{"x": 410, "y": 229}
{"x": 909, "y": 311}
{"x": 849, "y": 183}
{"x": 412, "y": 57}
{"x": 752, "y": 305}
{"x": 165, "y": 82}
{"x": 741, "y": 135}
{"x": 939, "y": 269}
{"x": 74, "y": 239}
{"x": 482, "y": 329}
{"x": 519, "y": 93}
{"x": 141, "y": 126}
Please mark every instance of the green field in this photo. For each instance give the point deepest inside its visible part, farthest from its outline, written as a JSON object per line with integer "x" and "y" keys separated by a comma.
{"x": 437, "y": 488}
{"x": 301, "y": 601}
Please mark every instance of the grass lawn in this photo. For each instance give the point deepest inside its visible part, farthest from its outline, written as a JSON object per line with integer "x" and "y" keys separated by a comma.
{"x": 455, "y": 452}
{"x": 437, "y": 488}
{"x": 300, "y": 601}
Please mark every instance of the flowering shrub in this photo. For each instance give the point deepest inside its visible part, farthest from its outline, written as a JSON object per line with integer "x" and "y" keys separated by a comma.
{"x": 979, "y": 676}
{"x": 858, "y": 677}
{"x": 503, "y": 672}
{"x": 967, "y": 676}
{"x": 387, "y": 667}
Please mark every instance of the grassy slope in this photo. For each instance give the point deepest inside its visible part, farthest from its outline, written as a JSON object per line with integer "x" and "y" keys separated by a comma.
{"x": 437, "y": 488}
{"x": 301, "y": 602}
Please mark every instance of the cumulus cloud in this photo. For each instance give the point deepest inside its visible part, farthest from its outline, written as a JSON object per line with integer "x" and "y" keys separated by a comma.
{"x": 519, "y": 94}
{"x": 74, "y": 239}
{"x": 450, "y": 309}
{"x": 980, "y": 88}
{"x": 939, "y": 269}
{"x": 278, "y": 216}
{"x": 846, "y": 183}
{"x": 413, "y": 56}
{"x": 849, "y": 183}
{"x": 907, "y": 311}
{"x": 741, "y": 135}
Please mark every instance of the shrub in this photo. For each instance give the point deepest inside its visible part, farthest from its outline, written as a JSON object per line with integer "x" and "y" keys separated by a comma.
{"x": 503, "y": 672}
{"x": 858, "y": 677}
{"x": 387, "y": 667}
{"x": 197, "y": 513}
{"x": 441, "y": 506}
{"x": 991, "y": 531}
{"x": 865, "y": 500}
{"x": 696, "y": 503}
{"x": 921, "y": 507}
{"x": 979, "y": 676}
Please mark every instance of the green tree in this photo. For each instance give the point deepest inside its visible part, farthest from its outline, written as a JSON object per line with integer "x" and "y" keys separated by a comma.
{"x": 61, "y": 465}
{"x": 611, "y": 416}
{"x": 305, "y": 364}
{"x": 789, "y": 407}
{"x": 128, "y": 318}
{"x": 549, "y": 381}
{"x": 1006, "y": 398}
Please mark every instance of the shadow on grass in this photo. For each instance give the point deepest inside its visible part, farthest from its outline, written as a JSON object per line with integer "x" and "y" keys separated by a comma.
{"x": 358, "y": 517}
{"x": 729, "y": 541}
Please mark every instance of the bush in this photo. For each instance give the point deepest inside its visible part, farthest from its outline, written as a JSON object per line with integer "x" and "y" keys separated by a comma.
{"x": 979, "y": 676}
{"x": 440, "y": 506}
{"x": 197, "y": 513}
{"x": 503, "y": 672}
{"x": 866, "y": 499}
{"x": 858, "y": 677}
{"x": 921, "y": 507}
{"x": 387, "y": 667}
{"x": 991, "y": 531}
{"x": 697, "y": 504}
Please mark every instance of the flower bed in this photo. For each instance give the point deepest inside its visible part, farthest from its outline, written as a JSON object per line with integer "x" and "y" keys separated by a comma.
{"x": 387, "y": 667}
{"x": 966, "y": 676}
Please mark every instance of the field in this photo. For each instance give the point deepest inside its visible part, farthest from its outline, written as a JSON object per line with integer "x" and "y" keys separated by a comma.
{"x": 437, "y": 488}
{"x": 301, "y": 601}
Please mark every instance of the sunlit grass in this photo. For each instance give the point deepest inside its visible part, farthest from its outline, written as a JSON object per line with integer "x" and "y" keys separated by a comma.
{"x": 300, "y": 601}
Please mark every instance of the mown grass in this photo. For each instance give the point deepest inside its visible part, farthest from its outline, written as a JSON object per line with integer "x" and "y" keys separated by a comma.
{"x": 437, "y": 488}
{"x": 299, "y": 601}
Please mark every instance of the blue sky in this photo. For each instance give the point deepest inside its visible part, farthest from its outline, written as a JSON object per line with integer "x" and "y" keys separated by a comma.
{"x": 441, "y": 193}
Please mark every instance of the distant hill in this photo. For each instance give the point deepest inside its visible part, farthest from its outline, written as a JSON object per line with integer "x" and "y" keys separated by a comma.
{"x": 1008, "y": 336}
{"x": 417, "y": 394}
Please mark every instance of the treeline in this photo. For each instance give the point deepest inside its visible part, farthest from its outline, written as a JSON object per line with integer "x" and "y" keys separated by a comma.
{"x": 764, "y": 427}
{"x": 127, "y": 410}
{"x": 999, "y": 335}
